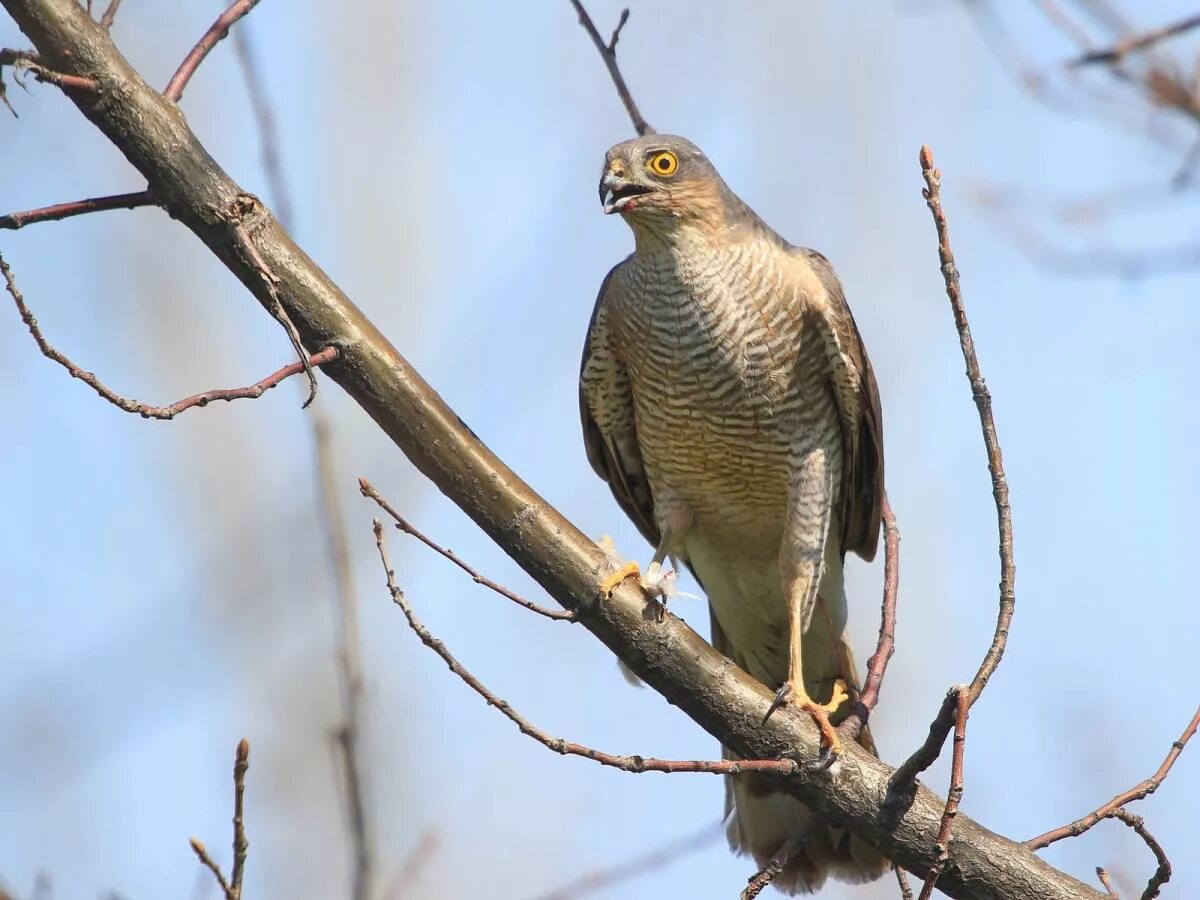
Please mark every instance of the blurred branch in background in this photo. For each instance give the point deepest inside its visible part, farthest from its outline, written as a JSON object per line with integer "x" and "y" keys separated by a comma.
{"x": 348, "y": 734}
{"x": 1145, "y": 81}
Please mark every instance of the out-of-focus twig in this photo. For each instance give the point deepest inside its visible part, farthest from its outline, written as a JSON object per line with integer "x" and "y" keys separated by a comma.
{"x": 1135, "y": 42}
{"x": 637, "y": 866}
{"x": 110, "y": 15}
{"x": 413, "y": 866}
{"x": 1102, "y": 874}
{"x": 368, "y": 490}
{"x": 144, "y": 410}
{"x": 232, "y": 888}
{"x": 902, "y": 880}
{"x": 947, "y": 715}
{"x": 608, "y": 53}
{"x": 59, "y": 211}
{"x": 215, "y": 34}
{"x": 1137, "y": 792}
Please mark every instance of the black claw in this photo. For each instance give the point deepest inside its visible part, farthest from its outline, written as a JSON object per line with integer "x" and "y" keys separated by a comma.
{"x": 781, "y": 698}
{"x": 825, "y": 760}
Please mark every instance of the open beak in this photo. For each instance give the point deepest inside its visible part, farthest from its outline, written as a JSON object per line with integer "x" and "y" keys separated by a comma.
{"x": 617, "y": 194}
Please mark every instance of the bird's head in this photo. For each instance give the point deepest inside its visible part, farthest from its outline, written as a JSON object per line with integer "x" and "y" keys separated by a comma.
{"x": 660, "y": 177}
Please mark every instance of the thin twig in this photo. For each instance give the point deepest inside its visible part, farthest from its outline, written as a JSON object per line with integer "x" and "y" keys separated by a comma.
{"x": 110, "y": 15}
{"x": 608, "y": 53}
{"x": 215, "y": 34}
{"x": 244, "y": 206}
{"x": 1137, "y": 792}
{"x": 368, "y": 490}
{"x": 251, "y": 392}
{"x": 1162, "y": 874}
{"x": 60, "y": 211}
{"x": 1136, "y": 42}
{"x": 931, "y": 749}
{"x": 636, "y": 867}
{"x": 240, "y": 844}
{"x": 27, "y": 61}
{"x": 954, "y": 796}
{"x": 776, "y": 864}
{"x": 635, "y": 764}
{"x": 1104, "y": 880}
{"x": 902, "y": 880}
{"x": 232, "y": 889}
{"x": 211, "y": 864}
{"x": 886, "y": 646}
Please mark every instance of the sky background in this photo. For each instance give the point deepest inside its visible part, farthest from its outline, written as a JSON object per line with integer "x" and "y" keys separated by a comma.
{"x": 165, "y": 589}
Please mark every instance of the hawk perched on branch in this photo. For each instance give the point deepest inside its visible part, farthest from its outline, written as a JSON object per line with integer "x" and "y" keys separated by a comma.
{"x": 728, "y": 401}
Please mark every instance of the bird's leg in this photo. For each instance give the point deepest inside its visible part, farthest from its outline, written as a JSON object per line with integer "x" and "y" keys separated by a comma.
{"x": 802, "y": 560}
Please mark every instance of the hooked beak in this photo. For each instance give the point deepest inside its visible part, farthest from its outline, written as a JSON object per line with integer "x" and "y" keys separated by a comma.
{"x": 617, "y": 194}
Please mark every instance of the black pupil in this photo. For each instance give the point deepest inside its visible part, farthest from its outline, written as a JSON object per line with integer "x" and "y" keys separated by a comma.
{"x": 664, "y": 163}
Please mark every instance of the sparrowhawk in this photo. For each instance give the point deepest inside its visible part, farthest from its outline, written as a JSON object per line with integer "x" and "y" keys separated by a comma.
{"x": 727, "y": 400}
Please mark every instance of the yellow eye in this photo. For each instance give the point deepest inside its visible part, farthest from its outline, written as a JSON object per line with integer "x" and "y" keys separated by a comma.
{"x": 663, "y": 163}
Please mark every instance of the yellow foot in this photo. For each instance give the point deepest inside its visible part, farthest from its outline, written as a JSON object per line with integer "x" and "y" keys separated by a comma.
{"x": 794, "y": 693}
{"x": 610, "y": 582}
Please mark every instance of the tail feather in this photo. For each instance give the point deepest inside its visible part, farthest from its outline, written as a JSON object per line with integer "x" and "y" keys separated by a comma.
{"x": 761, "y": 819}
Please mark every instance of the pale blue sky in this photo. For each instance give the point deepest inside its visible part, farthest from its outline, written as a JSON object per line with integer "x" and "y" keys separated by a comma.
{"x": 165, "y": 593}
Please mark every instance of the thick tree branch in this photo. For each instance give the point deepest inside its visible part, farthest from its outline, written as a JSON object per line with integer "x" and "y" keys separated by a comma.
{"x": 667, "y": 655}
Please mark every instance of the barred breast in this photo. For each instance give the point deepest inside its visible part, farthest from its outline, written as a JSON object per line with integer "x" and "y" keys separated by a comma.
{"x": 728, "y": 384}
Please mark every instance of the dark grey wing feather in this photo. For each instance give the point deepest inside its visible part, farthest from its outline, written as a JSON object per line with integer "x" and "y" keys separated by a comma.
{"x": 605, "y": 396}
{"x": 863, "y": 485}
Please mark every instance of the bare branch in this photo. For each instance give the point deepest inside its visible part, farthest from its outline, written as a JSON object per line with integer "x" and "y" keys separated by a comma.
{"x": 608, "y": 53}
{"x": 1104, "y": 880}
{"x": 416, "y": 861}
{"x": 59, "y": 211}
{"x": 877, "y": 664}
{"x": 776, "y": 864}
{"x": 215, "y": 34}
{"x": 954, "y": 796}
{"x": 638, "y": 866}
{"x": 368, "y": 490}
{"x": 1137, "y": 792}
{"x": 634, "y": 764}
{"x": 902, "y": 880}
{"x": 1163, "y": 873}
{"x": 25, "y": 61}
{"x": 209, "y": 863}
{"x": 929, "y": 751}
{"x": 251, "y": 392}
{"x": 1136, "y": 42}
{"x": 232, "y": 889}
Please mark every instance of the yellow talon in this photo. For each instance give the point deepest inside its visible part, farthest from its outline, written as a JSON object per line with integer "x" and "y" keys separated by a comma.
{"x": 610, "y": 582}
{"x": 794, "y": 694}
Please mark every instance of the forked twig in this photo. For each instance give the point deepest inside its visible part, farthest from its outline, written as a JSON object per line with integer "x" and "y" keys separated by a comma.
{"x": 954, "y": 795}
{"x": 146, "y": 411}
{"x": 1137, "y": 792}
{"x": 232, "y": 888}
{"x": 368, "y": 490}
{"x": 608, "y": 53}
{"x": 776, "y": 864}
{"x": 938, "y": 731}
{"x": 635, "y": 764}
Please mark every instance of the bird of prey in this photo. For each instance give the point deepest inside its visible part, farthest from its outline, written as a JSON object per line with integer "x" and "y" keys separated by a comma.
{"x": 727, "y": 400}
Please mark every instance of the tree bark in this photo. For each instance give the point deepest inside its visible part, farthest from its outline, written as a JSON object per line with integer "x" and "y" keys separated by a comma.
{"x": 154, "y": 136}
